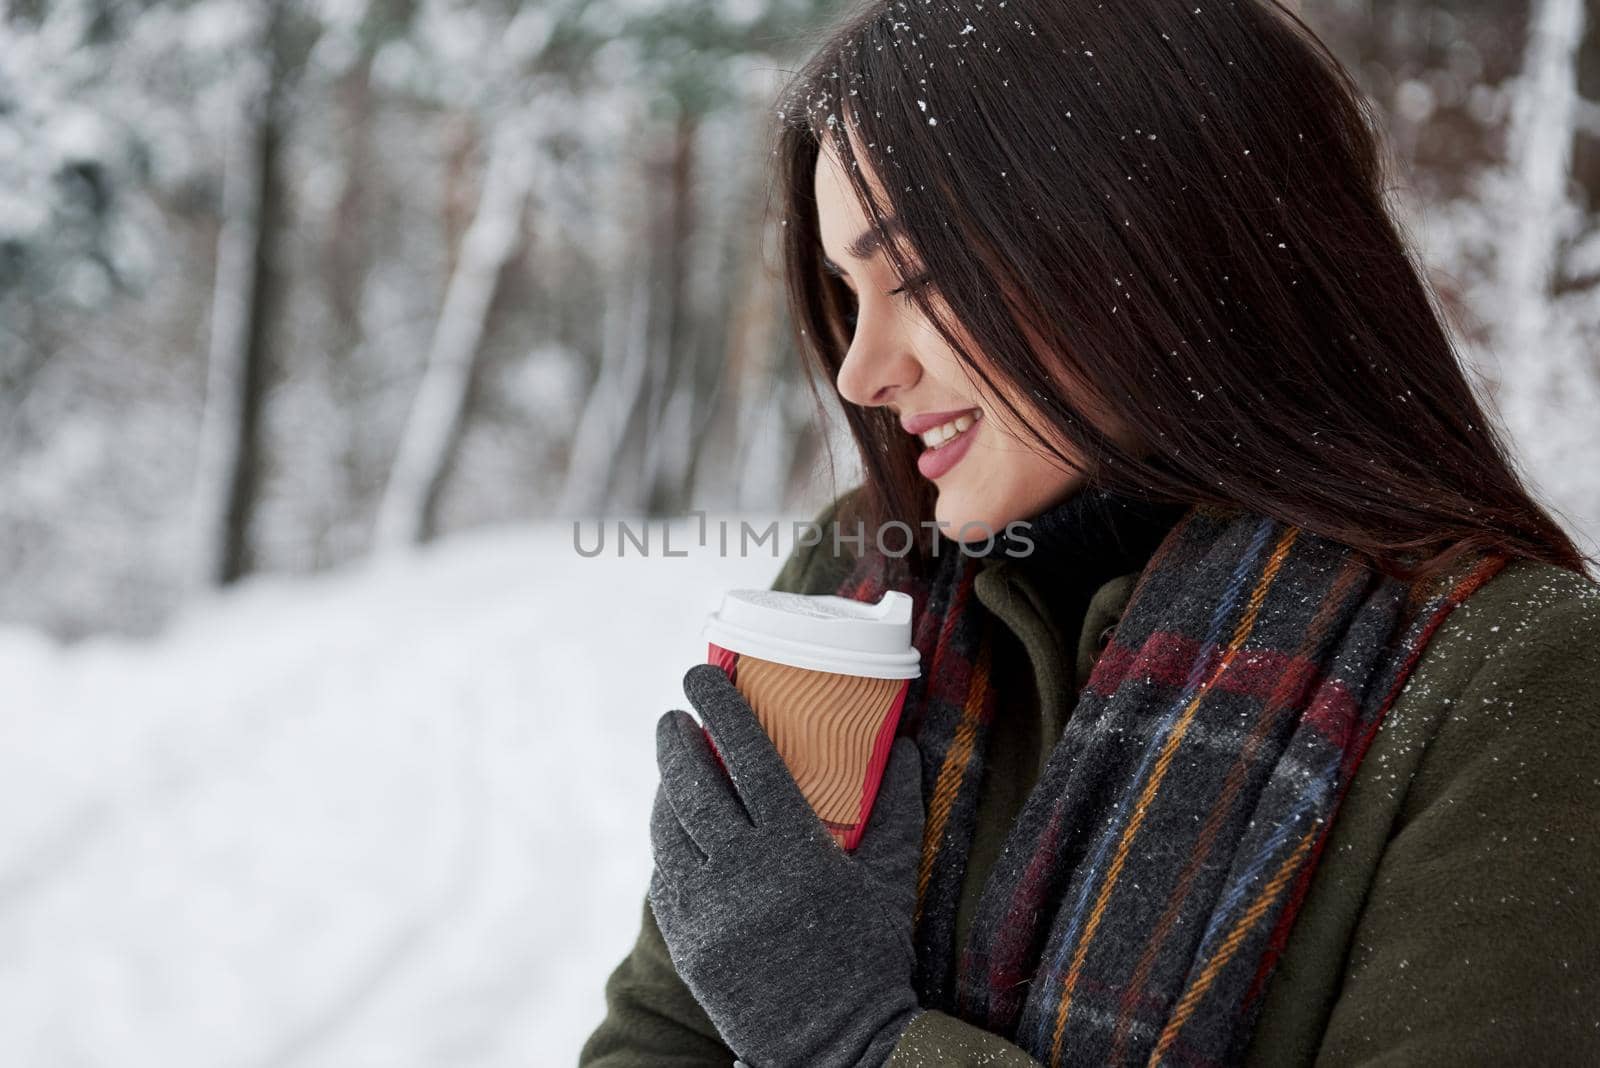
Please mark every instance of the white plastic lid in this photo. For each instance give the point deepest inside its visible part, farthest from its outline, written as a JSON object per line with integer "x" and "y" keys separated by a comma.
{"x": 819, "y": 632}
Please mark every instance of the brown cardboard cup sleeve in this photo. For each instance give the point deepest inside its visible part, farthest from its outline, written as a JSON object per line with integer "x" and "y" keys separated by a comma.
{"x": 827, "y": 678}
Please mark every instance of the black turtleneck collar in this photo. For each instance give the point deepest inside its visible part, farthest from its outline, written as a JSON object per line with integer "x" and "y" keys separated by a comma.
{"x": 1087, "y": 539}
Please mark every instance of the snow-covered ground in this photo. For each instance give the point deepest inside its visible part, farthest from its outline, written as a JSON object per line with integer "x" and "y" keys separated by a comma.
{"x": 395, "y": 815}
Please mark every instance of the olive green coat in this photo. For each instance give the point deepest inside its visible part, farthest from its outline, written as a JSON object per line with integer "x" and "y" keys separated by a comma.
{"x": 1454, "y": 917}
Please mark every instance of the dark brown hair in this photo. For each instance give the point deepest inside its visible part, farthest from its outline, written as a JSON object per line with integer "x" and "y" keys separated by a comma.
{"x": 1182, "y": 203}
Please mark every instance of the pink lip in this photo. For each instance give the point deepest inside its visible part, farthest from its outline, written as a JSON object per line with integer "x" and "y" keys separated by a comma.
{"x": 935, "y": 462}
{"x": 916, "y": 424}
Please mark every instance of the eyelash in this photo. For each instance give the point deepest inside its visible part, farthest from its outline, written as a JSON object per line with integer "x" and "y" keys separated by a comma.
{"x": 904, "y": 291}
{"x": 901, "y": 291}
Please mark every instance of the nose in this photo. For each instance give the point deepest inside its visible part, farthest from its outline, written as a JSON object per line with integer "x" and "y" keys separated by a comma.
{"x": 877, "y": 368}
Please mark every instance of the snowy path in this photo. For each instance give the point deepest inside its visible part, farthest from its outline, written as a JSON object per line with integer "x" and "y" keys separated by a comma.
{"x": 392, "y": 816}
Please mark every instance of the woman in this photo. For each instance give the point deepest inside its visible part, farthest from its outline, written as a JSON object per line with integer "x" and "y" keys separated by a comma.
{"x": 1279, "y": 747}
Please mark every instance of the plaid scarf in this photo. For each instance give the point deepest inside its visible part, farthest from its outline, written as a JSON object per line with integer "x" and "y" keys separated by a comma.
{"x": 1149, "y": 883}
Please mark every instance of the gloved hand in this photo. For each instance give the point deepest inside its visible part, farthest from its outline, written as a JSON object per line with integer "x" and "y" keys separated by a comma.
{"x": 800, "y": 953}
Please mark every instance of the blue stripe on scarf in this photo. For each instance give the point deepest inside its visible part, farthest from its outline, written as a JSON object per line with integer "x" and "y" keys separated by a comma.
{"x": 1316, "y": 793}
{"x": 1219, "y": 616}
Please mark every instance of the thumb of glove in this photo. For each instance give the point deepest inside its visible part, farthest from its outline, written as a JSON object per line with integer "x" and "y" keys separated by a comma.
{"x": 891, "y": 845}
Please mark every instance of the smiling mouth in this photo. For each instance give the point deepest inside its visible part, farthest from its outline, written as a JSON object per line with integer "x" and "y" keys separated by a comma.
{"x": 937, "y": 436}
{"x": 947, "y": 443}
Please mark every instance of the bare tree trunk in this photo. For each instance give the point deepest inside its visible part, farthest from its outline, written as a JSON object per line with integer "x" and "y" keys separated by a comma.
{"x": 408, "y": 512}
{"x": 606, "y": 462}
{"x": 586, "y": 490}
{"x": 346, "y": 261}
{"x": 245, "y": 298}
{"x": 670, "y": 428}
{"x": 766, "y": 440}
{"x": 344, "y": 254}
{"x": 742, "y": 397}
{"x": 666, "y": 231}
{"x": 1549, "y": 388}
{"x": 1544, "y": 116}
{"x": 461, "y": 139}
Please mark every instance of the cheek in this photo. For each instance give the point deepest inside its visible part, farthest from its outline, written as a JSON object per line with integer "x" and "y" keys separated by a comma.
{"x": 936, "y": 354}
{"x": 1013, "y": 479}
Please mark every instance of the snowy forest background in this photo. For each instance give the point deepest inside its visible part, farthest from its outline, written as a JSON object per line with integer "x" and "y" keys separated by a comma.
{"x": 288, "y": 287}
{"x": 285, "y": 282}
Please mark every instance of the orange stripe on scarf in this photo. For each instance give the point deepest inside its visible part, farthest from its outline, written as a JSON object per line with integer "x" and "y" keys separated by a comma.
{"x": 1246, "y": 624}
{"x": 953, "y": 771}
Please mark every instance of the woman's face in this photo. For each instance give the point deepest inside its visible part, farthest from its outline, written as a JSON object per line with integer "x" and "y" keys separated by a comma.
{"x": 987, "y": 473}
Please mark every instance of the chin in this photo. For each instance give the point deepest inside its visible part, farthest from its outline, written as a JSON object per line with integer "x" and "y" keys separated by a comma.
{"x": 982, "y": 521}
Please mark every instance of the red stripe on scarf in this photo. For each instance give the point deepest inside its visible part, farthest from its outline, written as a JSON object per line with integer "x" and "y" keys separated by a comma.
{"x": 1168, "y": 658}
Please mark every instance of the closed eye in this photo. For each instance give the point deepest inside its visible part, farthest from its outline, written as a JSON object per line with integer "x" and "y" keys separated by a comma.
{"x": 904, "y": 291}
{"x": 900, "y": 290}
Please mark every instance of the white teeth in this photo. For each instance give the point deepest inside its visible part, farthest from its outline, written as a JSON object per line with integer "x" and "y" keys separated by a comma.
{"x": 945, "y": 431}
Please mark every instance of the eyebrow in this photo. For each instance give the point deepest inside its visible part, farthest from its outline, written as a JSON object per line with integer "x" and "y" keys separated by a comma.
{"x": 864, "y": 246}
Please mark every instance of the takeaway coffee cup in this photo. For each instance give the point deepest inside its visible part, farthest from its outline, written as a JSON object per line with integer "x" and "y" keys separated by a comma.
{"x": 827, "y": 677}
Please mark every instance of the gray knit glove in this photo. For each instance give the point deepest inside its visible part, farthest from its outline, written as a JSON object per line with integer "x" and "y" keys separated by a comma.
{"x": 799, "y": 952}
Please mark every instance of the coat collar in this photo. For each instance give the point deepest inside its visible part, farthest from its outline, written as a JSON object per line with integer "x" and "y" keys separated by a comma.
{"x": 1063, "y": 600}
{"x": 1061, "y": 649}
